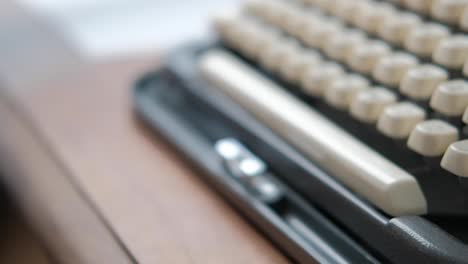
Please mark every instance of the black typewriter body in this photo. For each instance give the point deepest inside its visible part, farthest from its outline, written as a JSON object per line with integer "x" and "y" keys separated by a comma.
{"x": 338, "y": 128}
{"x": 181, "y": 107}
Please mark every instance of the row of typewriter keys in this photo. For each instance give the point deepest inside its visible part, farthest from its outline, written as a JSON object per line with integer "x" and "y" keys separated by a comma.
{"x": 319, "y": 68}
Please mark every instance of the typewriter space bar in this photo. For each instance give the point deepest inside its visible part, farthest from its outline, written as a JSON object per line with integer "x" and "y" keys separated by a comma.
{"x": 353, "y": 163}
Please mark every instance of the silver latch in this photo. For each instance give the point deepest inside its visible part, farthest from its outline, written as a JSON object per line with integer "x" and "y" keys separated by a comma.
{"x": 251, "y": 171}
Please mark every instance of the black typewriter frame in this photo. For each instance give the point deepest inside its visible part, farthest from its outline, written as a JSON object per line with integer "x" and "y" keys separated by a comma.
{"x": 185, "y": 110}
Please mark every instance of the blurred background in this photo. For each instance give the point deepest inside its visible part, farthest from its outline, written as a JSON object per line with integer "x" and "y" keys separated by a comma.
{"x": 99, "y": 30}
{"x": 112, "y": 27}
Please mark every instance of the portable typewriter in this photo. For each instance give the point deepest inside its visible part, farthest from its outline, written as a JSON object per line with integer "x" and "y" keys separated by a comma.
{"x": 337, "y": 127}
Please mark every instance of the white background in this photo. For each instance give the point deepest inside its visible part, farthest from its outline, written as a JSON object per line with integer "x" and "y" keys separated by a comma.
{"x": 113, "y": 27}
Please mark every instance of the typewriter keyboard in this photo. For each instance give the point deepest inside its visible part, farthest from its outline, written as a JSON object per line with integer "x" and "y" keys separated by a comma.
{"x": 374, "y": 92}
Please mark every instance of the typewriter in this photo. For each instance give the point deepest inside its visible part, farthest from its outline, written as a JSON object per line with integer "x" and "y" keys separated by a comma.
{"x": 339, "y": 128}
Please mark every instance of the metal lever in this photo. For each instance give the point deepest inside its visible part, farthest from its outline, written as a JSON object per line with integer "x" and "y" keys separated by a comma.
{"x": 248, "y": 169}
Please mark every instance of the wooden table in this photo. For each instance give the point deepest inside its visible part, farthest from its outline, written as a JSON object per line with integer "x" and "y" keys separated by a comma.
{"x": 97, "y": 187}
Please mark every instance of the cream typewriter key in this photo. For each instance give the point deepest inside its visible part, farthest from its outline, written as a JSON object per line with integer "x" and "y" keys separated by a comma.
{"x": 224, "y": 22}
{"x": 274, "y": 12}
{"x": 451, "y": 98}
{"x": 314, "y": 11}
{"x": 264, "y": 9}
{"x": 369, "y": 104}
{"x": 287, "y": 13}
{"x": 424, "y": 39}
{"x": 283, "y": 11}
{"x": 340, "y": 45}
{"x": 464, "y": 20}
{"x": 371, "y": 16}
{"x": 319, "y": 35}
{"x": 420, "y": 6}
{"x": 297, "y": 23}
{"x": 465, "y": 116}
{"x": 291, "y": 13}
{"x": 243, "y": 29}
{"x": 315, "y": 81}
{"x": 334, "y": 9}
{"x": 273, "y": 57}
{"x": 253, "y": 39}
{"x": 432, "y": 137}
{"x": 294, "y": 67}
{"x": 308, "y": 24}
{"x": 265, "y": 37}
{"x": 448, "y": 11}
{"x": 347, "y": 10}
{"x": 455, "y": 159}
{"x": 256, "y": 7}
{"x": 327, "y": 5}
{"x": 342, "y": 91}
{"x": 364, "y": 57}
{"x": 452, "y": 52}
{"x": 397, "y": 27}
{"x": 230, "y": 27}
{"x": 392, "y": 68}
{"x": 398, "y": 120}
{"x": 234, "y": 34}
{"x": 421, "y": 81}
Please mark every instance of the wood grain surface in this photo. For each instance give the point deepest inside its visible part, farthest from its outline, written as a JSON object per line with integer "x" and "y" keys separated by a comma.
{"x": 97, "y": 187}
{"x": 154, "y": 201}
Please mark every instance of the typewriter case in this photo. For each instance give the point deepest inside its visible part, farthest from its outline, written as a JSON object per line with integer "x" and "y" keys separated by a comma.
{"x": 337, "y": 226}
